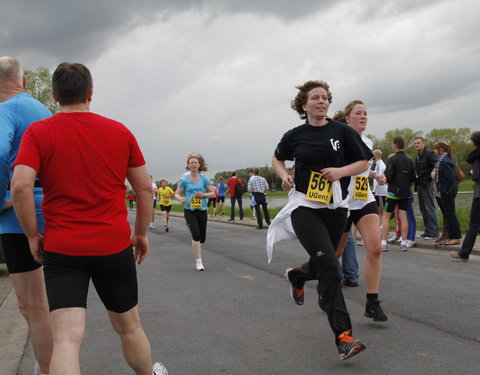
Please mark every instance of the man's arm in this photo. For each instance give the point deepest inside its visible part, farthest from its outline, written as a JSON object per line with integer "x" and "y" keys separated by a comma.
{"x": 141, "y": 183}
{"x": 23, "y": 182}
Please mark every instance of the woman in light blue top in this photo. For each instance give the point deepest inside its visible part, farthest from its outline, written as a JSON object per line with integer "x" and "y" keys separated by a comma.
{"x": 196, "y": 188}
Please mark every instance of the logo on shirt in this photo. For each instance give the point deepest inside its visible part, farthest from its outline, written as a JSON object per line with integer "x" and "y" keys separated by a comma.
{"x": 320, "y": 253}
{"x": 335, "y": 144}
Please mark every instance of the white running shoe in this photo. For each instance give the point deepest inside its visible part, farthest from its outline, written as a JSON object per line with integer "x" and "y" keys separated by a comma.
{"x": 159, "y": 369}
{"x": 199, "y": 266}
{"x": 394, "y": 239}
{"x": 151, "y": 226}
{"x": 410, "y": 244}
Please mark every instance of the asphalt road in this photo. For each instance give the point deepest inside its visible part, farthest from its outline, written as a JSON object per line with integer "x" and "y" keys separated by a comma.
{"x": 237, "y": 317}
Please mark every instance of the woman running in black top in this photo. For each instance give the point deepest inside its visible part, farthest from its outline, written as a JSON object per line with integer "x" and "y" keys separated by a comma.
{"x": 326, "y": 153}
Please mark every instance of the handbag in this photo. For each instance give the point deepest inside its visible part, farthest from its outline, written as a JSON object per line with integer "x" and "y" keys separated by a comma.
{"x": 459, "y": 173}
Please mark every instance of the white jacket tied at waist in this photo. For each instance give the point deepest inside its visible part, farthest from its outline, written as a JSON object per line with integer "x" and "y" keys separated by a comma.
{"x": 281, "y": 227}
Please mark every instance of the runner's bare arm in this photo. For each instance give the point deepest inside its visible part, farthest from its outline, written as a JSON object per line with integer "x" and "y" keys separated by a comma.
{"x": 23, "y": 182}
{"x": 281, "y": 170}
{"x": 141, "y": 183}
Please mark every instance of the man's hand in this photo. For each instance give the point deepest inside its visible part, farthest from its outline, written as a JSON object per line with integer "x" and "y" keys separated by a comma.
{"x": 36, "y": 247}
{"x": 8, "y": 204}
{"x": 141, "y": 246}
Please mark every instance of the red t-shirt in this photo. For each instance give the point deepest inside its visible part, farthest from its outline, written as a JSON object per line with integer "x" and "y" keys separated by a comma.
{"x": 231, "y": 182}
{"x": 81, "y": 160}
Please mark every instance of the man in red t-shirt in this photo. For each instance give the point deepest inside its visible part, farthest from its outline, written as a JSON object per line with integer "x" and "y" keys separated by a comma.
{"x": 232, "y": 181}
{"x": 82, "y": 160}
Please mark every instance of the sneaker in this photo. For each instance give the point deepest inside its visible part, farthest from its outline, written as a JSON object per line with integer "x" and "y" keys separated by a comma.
{"x": 351, "y": 284}
{"x": 348, "y": 346}
{"x": 394, "y": 239}
{"x": 199, "y": 266}
{"x": 151, "y": 226}
{"x": 375, "y": 312}
{"x": 166, "y": 229}
{"x": 410, "y": 244}
{"x": 455, "y": 255}
{"x": 296, "y": 294}
{"x": 159, "y": 369}
{"x": 231, "y": 220}
{"x": 403, "y": 247}
{"x": 384, "y": 248}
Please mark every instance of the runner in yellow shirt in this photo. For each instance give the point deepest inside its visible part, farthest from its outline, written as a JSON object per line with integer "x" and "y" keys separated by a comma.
{"x": 165, "y": 194}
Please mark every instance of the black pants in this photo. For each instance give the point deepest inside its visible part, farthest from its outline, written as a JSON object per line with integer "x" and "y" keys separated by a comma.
{"x": 447, "y": 206}
{"x": 261, "y": 200}
{"x": 240, "y": 206}
{"x": 319, "y": 231}
{"x": 473, "y": 229}
{"x": 197, "y": 223}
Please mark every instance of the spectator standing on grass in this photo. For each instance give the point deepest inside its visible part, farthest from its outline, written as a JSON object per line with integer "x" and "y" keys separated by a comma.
{"x": 235, "y": 196}
{"x": 221, "y": 189}
{"x": 257, "y": 186}
{"x": 400, "y": 174}
{"x": 446, "y": 188}
{"x": 424, "y": 163}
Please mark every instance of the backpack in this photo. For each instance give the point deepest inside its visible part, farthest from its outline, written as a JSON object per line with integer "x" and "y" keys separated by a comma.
{"x": 239, "y": 190}
{"x": 459, "y": 173}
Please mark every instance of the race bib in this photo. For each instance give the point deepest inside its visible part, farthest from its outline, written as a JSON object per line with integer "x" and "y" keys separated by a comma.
{"x": 195, "y": 202}
{"x": 319, "y": 188}
{"x": 360, "y": 187}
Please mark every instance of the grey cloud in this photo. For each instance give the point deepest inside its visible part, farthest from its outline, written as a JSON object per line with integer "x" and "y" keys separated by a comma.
{"x": 48, "y": 31}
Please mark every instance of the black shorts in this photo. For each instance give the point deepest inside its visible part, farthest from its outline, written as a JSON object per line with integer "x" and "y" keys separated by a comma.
{"x": 197, "y": 222}
{"x": 221, "y": 199}
{"x": 165, "y": 208}
{"x": 380, "y": 199}
{"x": 391, "y": 203}
{"x": 154, "y": 203}
{"x": 17, "y": 253}
{"x": 356, "y": 215}
{"x": 114, "y": 278}
{"x": 211, "y": 201}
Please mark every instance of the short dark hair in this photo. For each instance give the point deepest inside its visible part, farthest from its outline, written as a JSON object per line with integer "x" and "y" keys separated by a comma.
{"x": 256, "y": 171}
{"x": 475, "y": 137}
{"x": 399, "y": 142}
{"x": 71, "y": 83}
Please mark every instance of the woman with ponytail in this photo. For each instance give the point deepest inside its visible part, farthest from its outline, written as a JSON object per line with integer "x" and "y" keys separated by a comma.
{"x": 446, "y": 188}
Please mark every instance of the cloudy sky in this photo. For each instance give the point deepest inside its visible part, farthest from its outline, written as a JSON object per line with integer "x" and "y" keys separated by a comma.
{"x": 217, "y": 76}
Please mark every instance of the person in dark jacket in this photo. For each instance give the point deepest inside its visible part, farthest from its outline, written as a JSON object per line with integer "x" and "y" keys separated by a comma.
{"x": 424, "y": 164}
{"x": 446, "y": 188}
{"x": 400, "y": 174}
{"x": 474, "y": 225}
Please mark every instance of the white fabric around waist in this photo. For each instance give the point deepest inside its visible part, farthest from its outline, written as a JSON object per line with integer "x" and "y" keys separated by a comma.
{"x": 281, "y": 228}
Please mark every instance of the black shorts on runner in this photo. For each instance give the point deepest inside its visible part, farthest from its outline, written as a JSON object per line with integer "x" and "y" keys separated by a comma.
{"x": 356, "y": 215}
{"x": 221, "y": 199}
{"x": 197, "y": 223}
{"x": 165, "y": 208}
{"x": 17, "y": 253}
{"x": 211, "y": 201}
{"x": 114, "y": 278}
{"x": 391, "y": 203}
